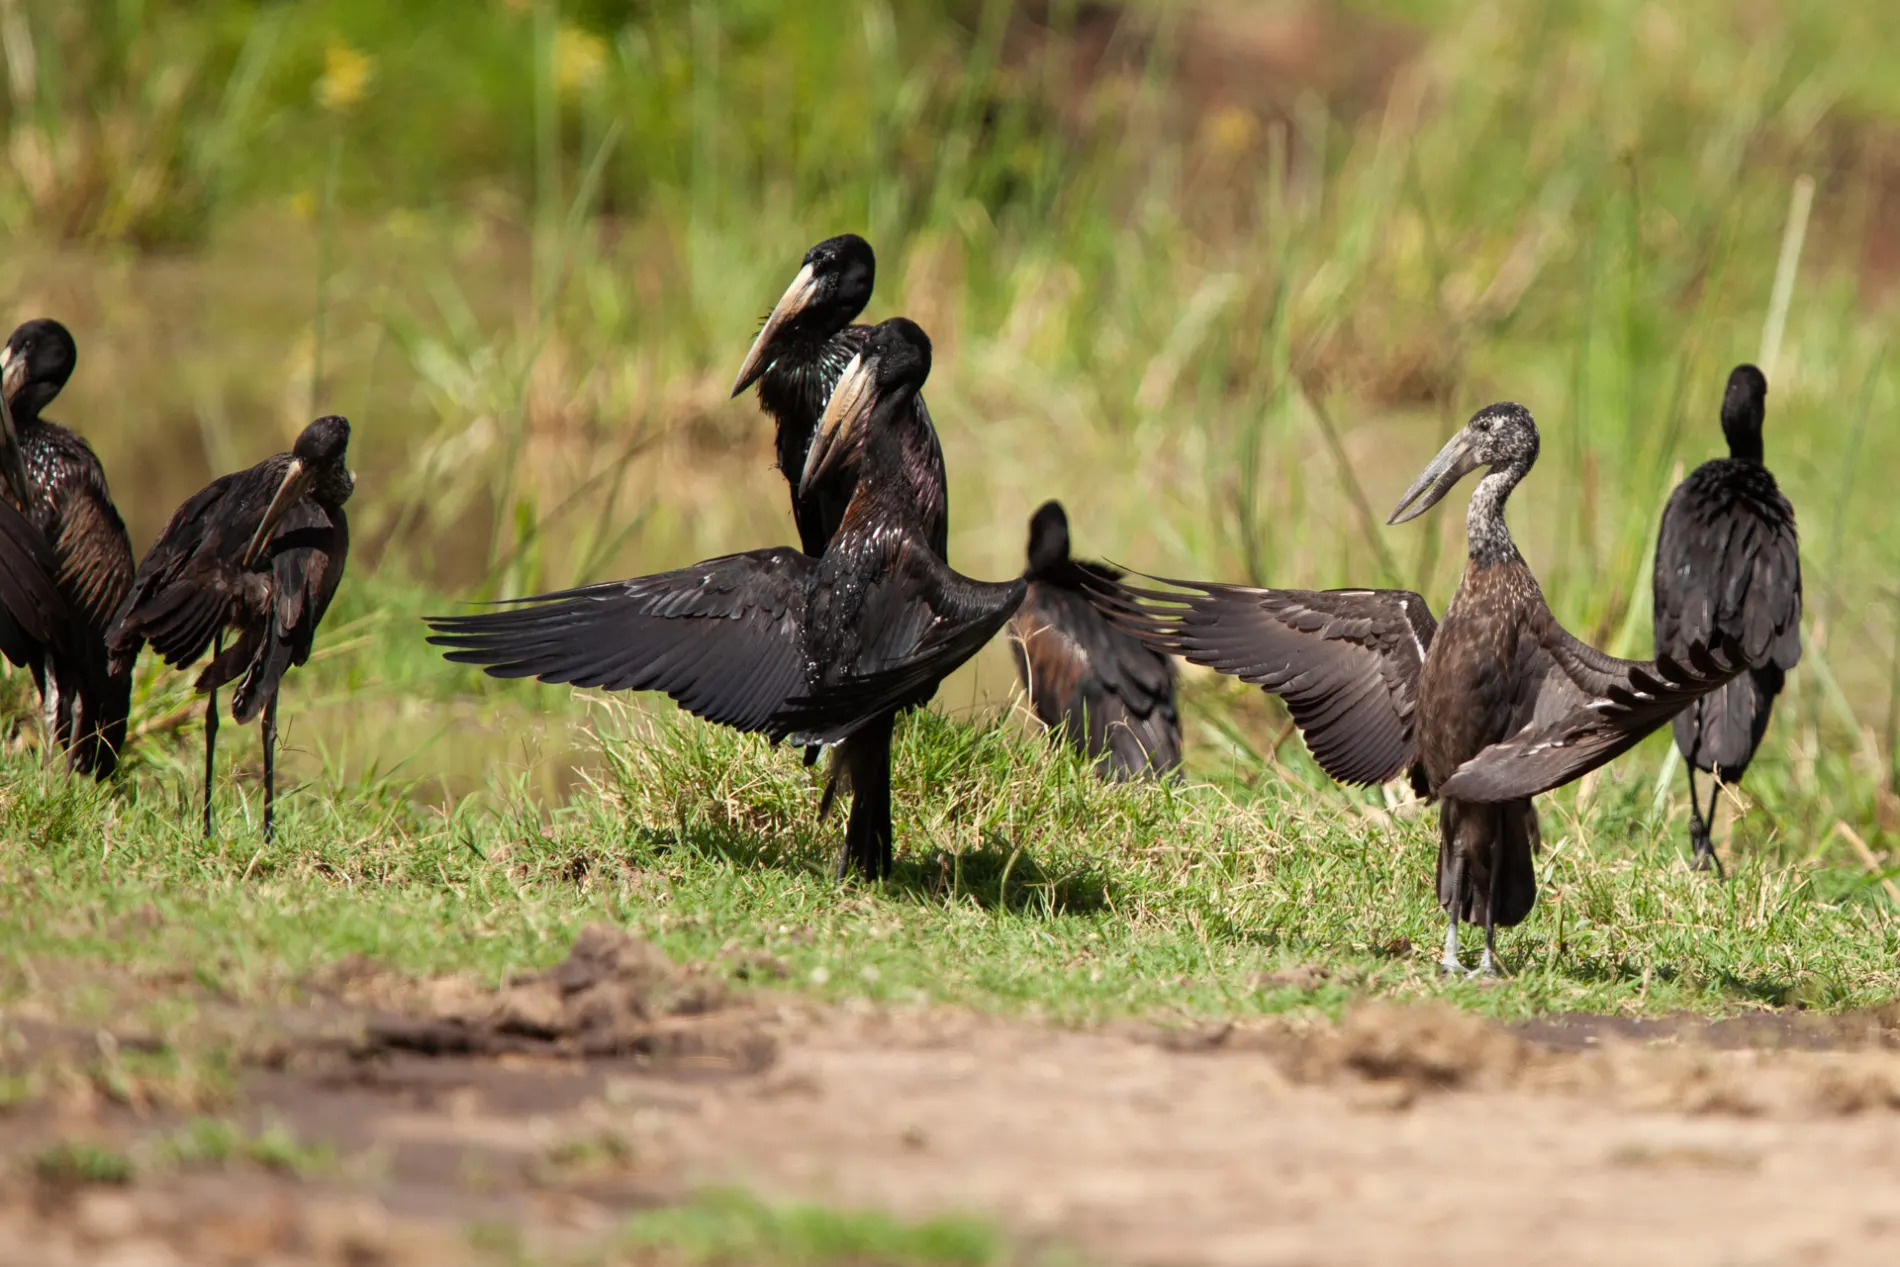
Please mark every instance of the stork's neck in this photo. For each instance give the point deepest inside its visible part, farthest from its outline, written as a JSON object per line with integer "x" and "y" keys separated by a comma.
{"x": 1744, "y": 445}
{"x": 1486, "y": 537}
{"x": 25, "y": 407}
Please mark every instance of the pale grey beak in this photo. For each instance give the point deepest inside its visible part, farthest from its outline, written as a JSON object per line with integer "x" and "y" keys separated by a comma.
{"x": 12, "y": 463}
{"x": 12, "y": 372}
{"x": 1453, "y": 463}
{"x": 850, "y": 400}
{"x": 297, "y": 480}
{"x": 797, "y": 297}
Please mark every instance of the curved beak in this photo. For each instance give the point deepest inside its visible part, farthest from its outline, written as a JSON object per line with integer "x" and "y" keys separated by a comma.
{"x": 12, "y": 464}
{"x": 850, "y": 401}
{"x": 296, "y": 482}
{"x": 12, "y": 373}
{"x": 1453, "y": 463}
{"x": 797, "y": 297}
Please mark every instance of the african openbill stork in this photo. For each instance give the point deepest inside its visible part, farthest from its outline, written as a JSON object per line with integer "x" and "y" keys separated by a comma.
{"x": 797, "y": 359}
{"x": 56, "y": 479}
{"x": 824, "y": 651}
{"x": 1483, "y": 710}
{"x": 1728, "y": 562}
{"x": 1098, "y": 686}
{"x": 260, "y": 554}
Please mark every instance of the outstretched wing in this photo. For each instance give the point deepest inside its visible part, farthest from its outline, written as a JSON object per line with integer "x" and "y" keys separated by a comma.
{"x": 1346, "y": 662}
{"x": 1579, "y": 708}
{"x": 723, "y": 638}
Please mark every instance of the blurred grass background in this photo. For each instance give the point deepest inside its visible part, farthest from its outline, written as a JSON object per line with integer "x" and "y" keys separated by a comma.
{"x": 1221, "y": 276}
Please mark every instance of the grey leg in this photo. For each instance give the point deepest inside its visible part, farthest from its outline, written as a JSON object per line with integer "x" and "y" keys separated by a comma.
{"x": 1487, "y": 962}
{"x": 1449, "y": 965}
{"x": 49, "y": 707}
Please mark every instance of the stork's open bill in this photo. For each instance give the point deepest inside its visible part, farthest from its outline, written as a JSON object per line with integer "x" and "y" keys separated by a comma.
{"x": 796, "y": 360}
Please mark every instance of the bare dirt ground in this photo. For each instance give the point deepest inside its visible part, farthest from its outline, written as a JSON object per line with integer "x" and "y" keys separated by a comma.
{"x": 562, "y": 1102}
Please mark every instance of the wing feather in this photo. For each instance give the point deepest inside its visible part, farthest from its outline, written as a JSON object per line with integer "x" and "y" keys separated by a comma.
{"x": 1346, "y": 662}
{"x": 1581, "y": 708}
{"x": 723, "y": 637}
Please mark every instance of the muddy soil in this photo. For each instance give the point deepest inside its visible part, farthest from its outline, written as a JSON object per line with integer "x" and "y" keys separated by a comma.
{"x": 542, "y": 1113}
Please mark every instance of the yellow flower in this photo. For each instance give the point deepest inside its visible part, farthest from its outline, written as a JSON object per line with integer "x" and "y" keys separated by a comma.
{"x": 1231, "y": 131}
{"x": 347, "y": 73}
{"x": 579, "y": 57}
{"x": 303, "y": 205}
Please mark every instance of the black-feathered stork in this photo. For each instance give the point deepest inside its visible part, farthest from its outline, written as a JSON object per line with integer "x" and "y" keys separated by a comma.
{"x": 820, "y": 651}
{"x": 33, "y": 613}
{"x": 1484, "y": 710}
{"x": 1728, "y": 562}
{"x": 1097, "y": 686}
{"x": 259, "y": 553}
{"x": 86, "y": 702}
{"x": 797, "y": 359}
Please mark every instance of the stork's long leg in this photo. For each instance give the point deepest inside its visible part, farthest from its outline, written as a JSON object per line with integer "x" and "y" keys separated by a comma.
{"x": 1449, "y": 965}
{"x": 50, "y": 700}
{"x": 270, "y": 765}
{"x": 1705, "y": 859}
{"x": 1487, "y": 962}
{"x": 211, "y": 734}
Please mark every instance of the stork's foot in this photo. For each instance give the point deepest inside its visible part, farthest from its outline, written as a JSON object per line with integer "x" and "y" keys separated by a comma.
{"x": 1704, "y": 858}
{"x": 1449, "y": 964}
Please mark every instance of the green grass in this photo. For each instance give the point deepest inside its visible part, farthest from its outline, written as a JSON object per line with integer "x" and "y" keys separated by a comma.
{"x": 82, "y": 1162}
{"x": 722, "y": 1227}
{"x": 1218, "y": 277}
{"x": 524, "y": 250}
{"x": 1023, "y": 885}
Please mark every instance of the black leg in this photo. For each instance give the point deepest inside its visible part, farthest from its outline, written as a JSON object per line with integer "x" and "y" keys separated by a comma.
{"x": 270, "y": 766}
{"x": 1704, "y": 858}
{"x": 211, "y": 734}
{"x": 867, "y": 834}
{"x": 211, "y": 752}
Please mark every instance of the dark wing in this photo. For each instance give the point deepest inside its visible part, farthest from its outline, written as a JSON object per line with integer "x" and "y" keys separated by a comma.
{"x": 931, "y": 483}
{"x": 33, "y": 615}
{"x": 1578, "y": 708}
{"x": 1114, "y": 694}
{"x": 917, "y": 623}
{"x": 189, "y": 585}
{"x": 307, "y": 552}
{"x": 723, "y": 638}
{"x": 1728, "y": 562}
{"x": 93, "y": 554}
{"x": 1346, "y": 662}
